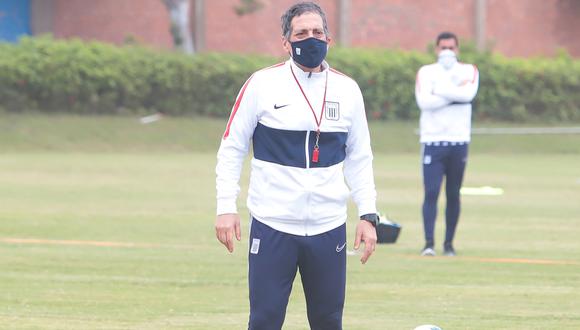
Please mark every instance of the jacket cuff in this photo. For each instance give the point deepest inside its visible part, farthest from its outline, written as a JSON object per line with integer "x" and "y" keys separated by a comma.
{"x": 367, "y": 207}
{"x": 225, "y": 206}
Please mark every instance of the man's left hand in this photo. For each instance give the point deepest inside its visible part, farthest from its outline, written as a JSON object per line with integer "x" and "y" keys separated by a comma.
{"x": 365, "y": 232}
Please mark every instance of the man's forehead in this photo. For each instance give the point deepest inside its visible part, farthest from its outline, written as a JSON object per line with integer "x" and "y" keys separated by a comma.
{"x": 447, "y": 41}
{"x": 307, "y": 20}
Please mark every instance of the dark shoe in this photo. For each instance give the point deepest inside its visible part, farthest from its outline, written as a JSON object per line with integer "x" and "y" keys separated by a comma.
{"x": 449, "y": 251}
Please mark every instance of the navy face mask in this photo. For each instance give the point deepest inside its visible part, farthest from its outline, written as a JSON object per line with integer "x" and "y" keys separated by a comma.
{"x": 309, "y": 52}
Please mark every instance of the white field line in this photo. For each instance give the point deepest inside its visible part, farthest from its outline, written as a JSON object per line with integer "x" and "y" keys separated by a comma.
{"x": 8, "y": 240}
{"x": 503, "y": 260}
{"x": 521, "y": 130}
{"x": 525, "y": 130}
{"x": 90, "y": 243}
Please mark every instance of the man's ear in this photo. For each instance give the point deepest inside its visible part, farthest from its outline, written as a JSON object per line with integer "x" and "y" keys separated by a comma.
{"x": 286, "y": 45}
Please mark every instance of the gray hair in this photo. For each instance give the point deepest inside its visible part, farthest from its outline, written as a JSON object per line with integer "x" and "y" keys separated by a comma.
{"x": 297, "y": 10}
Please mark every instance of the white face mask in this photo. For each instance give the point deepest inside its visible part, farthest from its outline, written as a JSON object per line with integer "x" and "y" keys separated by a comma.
{"x": 447, "y": 59}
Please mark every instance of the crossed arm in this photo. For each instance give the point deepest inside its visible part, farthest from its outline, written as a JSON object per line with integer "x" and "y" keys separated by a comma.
{"x": 431, "y": 96}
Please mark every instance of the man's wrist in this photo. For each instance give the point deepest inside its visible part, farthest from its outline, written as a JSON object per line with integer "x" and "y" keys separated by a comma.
{"x": 373, "y": 218}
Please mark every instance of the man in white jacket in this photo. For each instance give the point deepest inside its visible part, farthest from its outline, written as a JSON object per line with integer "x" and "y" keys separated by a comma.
{"x": 444, "y": 93}
{"x": 307, "y": 126}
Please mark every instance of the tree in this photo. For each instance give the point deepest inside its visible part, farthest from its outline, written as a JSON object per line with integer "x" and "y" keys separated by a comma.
{"x": 180, "y": 25}
{"x": 179, "y": 14}
{"x": 248, "y": 6}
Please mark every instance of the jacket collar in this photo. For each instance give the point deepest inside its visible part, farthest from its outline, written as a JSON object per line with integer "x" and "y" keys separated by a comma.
{"x": 302, "y": 75}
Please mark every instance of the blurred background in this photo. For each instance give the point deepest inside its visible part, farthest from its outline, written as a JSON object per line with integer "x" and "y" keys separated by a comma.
{"x": 111, "y": 113}
{"x": 121, "y": 56}
{"x": 514, "y": 28}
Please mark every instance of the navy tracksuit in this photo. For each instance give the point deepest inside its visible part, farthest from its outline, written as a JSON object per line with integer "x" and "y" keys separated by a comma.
{"x": 274, "y": 258}
{"x": 449, "y": 160}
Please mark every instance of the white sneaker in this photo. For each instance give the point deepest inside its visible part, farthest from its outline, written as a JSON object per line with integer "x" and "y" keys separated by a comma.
{"x": 428, "y": 252}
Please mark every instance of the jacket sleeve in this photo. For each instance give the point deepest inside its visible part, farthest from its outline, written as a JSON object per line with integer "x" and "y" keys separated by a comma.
{"x": 426, "y": 100}
{"x": 463, "y": 93}
{"x": 358, "y": 167}
{"x": 234, "y": 147}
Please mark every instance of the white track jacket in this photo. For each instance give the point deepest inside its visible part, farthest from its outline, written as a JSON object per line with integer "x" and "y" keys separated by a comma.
{"x": 444, "y": 97}
{"x": 288, "y": 191}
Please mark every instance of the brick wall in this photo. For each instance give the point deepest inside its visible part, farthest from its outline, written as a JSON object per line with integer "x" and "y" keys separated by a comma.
{"x": 515, "y": 27}
{"x": 113, "y": 21}
{"x": 409, "y": 24}
{"x": 533, "y": 27}
{"x": 259, "y": 32}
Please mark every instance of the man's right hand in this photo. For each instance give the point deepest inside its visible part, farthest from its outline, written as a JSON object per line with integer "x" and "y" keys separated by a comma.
{"x": 226, "y": 225}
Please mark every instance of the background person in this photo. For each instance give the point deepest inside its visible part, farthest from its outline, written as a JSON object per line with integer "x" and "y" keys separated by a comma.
{"x": 444, "y": 92}
{"x": 309, "y": 133}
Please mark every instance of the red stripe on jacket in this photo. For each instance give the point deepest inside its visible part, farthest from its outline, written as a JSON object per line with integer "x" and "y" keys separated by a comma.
{"x": 338, "y": 72}
{"x": 236, "y": 106}
{"x": 239, "y": 100}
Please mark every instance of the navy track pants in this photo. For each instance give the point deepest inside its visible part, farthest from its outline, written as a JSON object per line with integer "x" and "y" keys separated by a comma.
{"x": 443, "y": 159}
{"x": 274, "y": 258}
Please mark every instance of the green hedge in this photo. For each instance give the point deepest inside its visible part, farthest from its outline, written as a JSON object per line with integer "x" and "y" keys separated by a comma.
{"x": 72, "y": 76}
{"x": 511, "y": 89}
{"x": 42, "y": 74}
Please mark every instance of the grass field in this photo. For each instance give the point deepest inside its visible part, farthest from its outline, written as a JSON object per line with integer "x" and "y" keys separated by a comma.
{"x": 108, "y": 224}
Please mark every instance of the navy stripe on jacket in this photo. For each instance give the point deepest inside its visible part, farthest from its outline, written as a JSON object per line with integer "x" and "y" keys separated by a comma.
{"x": 286, "y": 147}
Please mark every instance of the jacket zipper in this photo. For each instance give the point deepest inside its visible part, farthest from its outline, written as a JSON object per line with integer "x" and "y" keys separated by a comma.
{"x": 307, "y": 152}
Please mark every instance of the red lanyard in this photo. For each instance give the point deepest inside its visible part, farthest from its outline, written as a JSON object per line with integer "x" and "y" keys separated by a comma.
{"x": 318, "y": 121}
